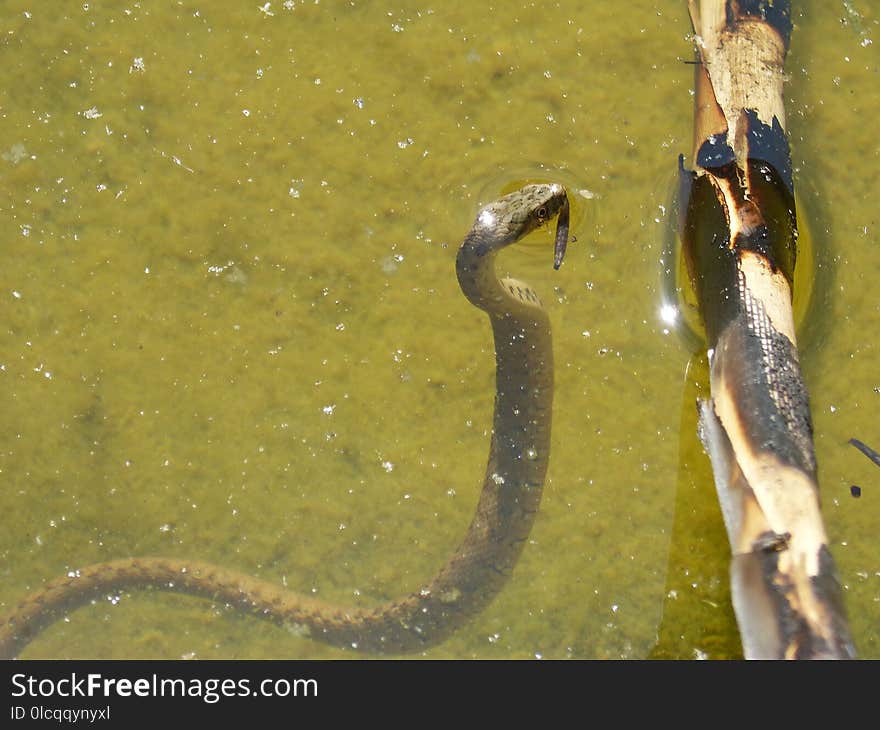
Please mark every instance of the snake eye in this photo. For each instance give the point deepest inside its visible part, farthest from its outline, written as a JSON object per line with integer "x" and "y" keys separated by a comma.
{"x": 542, "y": 214}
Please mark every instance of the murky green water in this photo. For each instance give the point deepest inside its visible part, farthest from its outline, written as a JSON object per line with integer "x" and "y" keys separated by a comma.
{"x": 232, "y": 331}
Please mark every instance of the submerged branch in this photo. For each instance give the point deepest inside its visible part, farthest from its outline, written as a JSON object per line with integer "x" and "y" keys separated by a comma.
{"x": 739, "y": 230}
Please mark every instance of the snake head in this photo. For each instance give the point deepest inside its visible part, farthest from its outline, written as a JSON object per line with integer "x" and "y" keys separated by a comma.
{"x": 512, "y": 217}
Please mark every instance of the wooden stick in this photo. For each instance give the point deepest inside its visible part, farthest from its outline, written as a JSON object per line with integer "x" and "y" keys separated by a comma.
{"x": 739, "y": 231}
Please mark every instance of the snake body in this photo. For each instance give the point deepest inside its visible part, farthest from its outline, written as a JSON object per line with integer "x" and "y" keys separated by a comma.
{"x": 508, "y": 504}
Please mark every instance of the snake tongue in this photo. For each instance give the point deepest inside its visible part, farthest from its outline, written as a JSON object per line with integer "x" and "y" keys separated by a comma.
{"x": 561, "y": 235}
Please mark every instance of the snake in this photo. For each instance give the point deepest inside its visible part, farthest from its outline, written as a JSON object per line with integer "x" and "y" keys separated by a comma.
{"x": 476, "y": 571}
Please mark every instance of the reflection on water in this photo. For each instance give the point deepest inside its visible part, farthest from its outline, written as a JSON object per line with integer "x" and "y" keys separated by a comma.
{"x": 233, "y": 331}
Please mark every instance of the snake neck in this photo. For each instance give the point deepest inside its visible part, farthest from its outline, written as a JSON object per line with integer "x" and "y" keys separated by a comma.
{"x": 523, "y": 360}
{"x": 507, "y": 298}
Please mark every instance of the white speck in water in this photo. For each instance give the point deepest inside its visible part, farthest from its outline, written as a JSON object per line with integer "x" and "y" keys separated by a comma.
{"x": 404, "y": 143}
{"x": 531, "y": 454}
{"x": 165, "y": 528}
{"x": 389, "y": 264}
{"x": 16, "y": 153}
{"x": 265, "y": 9}
{"x": 388, "y": 466}
{"x": 497, "y": 478}
{"x": 246, "y": 112}
{"x": 137, "y": 64}
{"x": 92, "y": 113}
{"x": 328, "y": 410}
{"x": 16, "y": 294}
{"x": 220, "y": 268}
{"x": 359, "y": 103}
{"x": 340, "y": 327}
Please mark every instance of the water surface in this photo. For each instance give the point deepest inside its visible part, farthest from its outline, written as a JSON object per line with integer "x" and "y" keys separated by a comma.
{"x": 232, "y": 331}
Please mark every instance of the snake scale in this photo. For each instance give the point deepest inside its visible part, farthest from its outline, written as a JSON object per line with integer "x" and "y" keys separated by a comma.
{"x": 509, "y": 501}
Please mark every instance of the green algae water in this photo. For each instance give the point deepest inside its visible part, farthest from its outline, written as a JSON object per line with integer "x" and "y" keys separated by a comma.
{"x": 231, "y": 329}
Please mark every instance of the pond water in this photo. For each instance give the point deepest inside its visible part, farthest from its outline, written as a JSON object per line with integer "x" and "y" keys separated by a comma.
{"x": 231, "y": 328}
